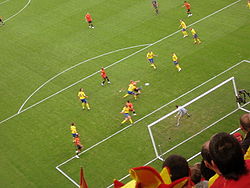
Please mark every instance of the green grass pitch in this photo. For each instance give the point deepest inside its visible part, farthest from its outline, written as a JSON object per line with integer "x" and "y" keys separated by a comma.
{"x": 44, "y": 38}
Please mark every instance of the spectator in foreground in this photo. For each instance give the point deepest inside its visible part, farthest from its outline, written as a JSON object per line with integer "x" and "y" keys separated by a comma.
{"x": 227, "y": 160}
{"x": 245, "y": 127}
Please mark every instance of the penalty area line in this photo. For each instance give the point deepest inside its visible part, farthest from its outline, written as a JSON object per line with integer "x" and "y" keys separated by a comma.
{"x": 197, "y": 154}
{"x": 107, "y": 138}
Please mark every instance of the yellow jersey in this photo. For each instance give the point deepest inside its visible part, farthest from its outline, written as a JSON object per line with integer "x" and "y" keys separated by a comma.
{"x": 174, "y": 57}
{"x": 150, "y": 55}
{"x": 183, "y": 25}
{"x": 73, "y": 129}
{"x": 81, "y": 95}
{"x": 193, "y": 31}
{"x": 131, "y": 87}
{"x": 125, "y": 110}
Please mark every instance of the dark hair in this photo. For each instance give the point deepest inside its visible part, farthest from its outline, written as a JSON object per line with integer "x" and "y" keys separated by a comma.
{"x": 227, "y": 154}
{"x": 245, "y": 121}
{"x": 205, "y": 152}
{"x": 177, "y": 165}
{"x": 176, "y": 106}
{"x": 195, "y": 173}
{"x": 206, "y": 172}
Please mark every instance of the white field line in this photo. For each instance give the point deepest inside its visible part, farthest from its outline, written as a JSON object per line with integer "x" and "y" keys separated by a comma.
{"x": 67, "y": 176}
{"x": 4, "y": 2}
{"x": 74, "y": 66}
{"x": 9, "y": 18}
{"x": 197, "y": 154}
{"x": 147, "y": 116}
{"x": 127, "y": 56}
{"x": 156, "y": 158}
{"x": 151, "y": 113}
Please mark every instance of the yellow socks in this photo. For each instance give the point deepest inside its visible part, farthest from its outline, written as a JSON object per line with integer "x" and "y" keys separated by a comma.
{"x": 185, "y": 33}
{"x": 123, "y": 121}
{"x": 178, "y": 67}
{"x": 87, "y": 105}
{"x": 125, "y": 95}
{"x": 153, "y": 65}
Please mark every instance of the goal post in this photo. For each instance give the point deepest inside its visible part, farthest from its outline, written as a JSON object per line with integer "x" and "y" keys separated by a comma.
{"x": 159, "y": 151}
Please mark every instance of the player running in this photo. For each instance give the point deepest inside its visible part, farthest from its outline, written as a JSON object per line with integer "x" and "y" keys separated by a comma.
{"x": 155, "y": 5}
{"x": 150, "y": 58}
{"x": 78, "y": 145}
{"x": 188, "y": 8}
{"x": 131, "y": 107}
{"x": 175, "y": 61}
{"x": 181, "y": 113}
{"x": 1, "y": 20}
{"x": 73, "y": 130}
{"x": 104, "y": 76}
{"x": 125, "y": 112}
{"x": 82, "y": 98}
{"x": 89, "y": 20}
{"x": 195, "y": 36}
{"x": 184, "y": 28}
{"x": 131, "y": 88}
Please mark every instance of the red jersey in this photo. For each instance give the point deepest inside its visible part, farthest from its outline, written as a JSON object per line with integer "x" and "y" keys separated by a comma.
{"x": 187, "y": 5}
{"x": 103, "y": 73}
{"x": 130, "y": 105}
{"x": 77, "y": 141}
{"x": 244, "y": 180}
{"x": 88, "y": 17}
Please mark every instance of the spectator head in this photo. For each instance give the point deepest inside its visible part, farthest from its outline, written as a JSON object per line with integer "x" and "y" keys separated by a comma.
{"x": 178, "y": 167}
{"x": 206, "y": 155}
{"x": 227, "y": 156}
{"x": 195, "y": 173}
{"x": 206, "y": 172}
{"x": 245, "y": 122}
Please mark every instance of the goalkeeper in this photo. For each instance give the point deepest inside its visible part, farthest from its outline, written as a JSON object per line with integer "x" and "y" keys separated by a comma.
{"x": 181, "y": 113}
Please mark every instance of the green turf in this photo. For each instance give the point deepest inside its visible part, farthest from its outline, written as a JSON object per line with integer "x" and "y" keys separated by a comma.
{"x": 51, "y": 36}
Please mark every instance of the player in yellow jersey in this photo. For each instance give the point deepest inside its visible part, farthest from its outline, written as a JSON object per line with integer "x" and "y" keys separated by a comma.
{"x": 184, "y": 28}
{"x": 195, "y": 36}
{"x": 175, "y": 61}
{"x": 82, "y": 98}
{"x": 73, "y": 130}
{"x": 248, "y": 4}
{"x": 131, "y": 88}
{"x": 125, "y": 112}
{"x": 150, "y": 58}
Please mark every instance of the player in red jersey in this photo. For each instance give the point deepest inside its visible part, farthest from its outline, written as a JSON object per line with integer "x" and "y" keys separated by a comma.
{"x": 188, "y": 8}
{"x": 131, "y": 107}
{"x": 78, "y": 145}
{"x": 104, "y": 76}
{"x": 89, "y": 20}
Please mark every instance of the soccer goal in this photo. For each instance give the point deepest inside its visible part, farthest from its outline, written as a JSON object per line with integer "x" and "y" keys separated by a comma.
{"x": 205, "y": 110}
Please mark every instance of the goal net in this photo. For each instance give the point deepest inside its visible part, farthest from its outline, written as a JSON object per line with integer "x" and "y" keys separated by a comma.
{"x": 207, "y": 109}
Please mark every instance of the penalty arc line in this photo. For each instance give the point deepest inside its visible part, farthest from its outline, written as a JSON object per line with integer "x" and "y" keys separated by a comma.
{"x": 74, "y": 66}
{"x": 168, "y": 36}
{"x": 68, "y": 160}
{"x": 4, "y": 2}
{"x": 18, "y": 12}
